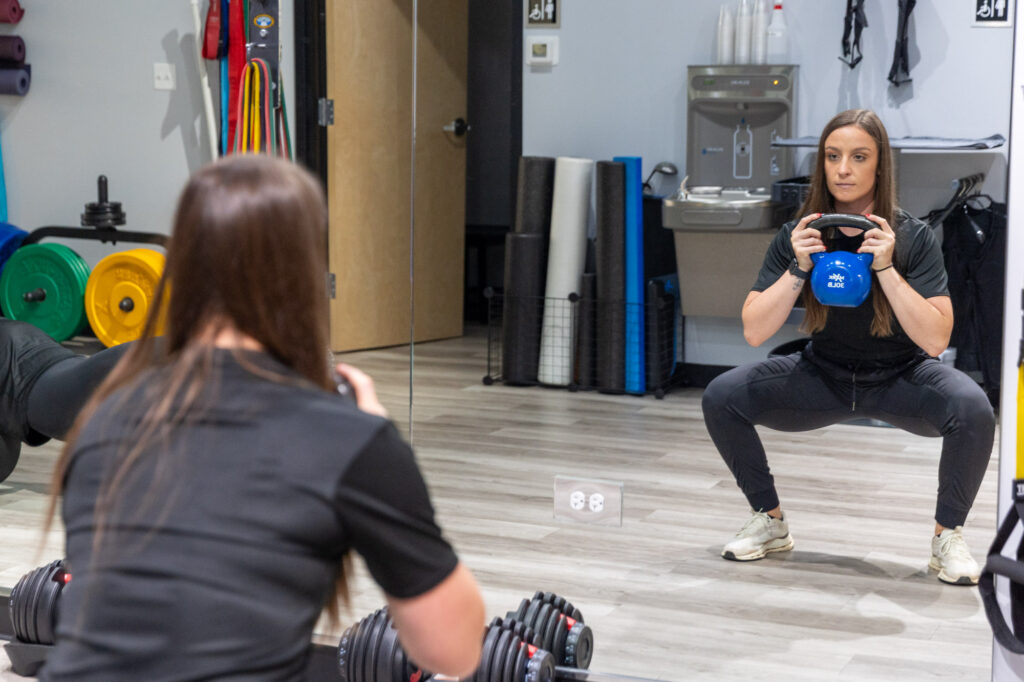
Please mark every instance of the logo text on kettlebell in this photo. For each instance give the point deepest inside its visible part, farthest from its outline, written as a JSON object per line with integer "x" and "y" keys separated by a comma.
{"x": 836, "y": 281}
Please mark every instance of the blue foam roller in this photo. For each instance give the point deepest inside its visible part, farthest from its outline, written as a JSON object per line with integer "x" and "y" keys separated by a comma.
{"x": 636, "y": 381}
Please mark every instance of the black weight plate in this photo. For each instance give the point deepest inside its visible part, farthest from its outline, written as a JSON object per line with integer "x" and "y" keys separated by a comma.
{"x": 531, "y": 613}
{"x": 34, "y": 594}
{"x": 522, "y": 657}
{"x": 559, "y": 603}
{"x": 359, "y": 649}
{"x": 568, "y": 608}
{"x": 498, "y": 657}
{"x": 54, "y": 584}
{"x": 538, "y": 596}
{"x": 345, "y": 653}
{"x": 548, "y": 598}
{"x": 508, "y": 666}
{"x": 521, "y": 611}
{"x": 576, "y": 615}
{"x": 386, "y": 655}
{"x": 579, "y": 646}
{"x": 558, "y": 643}
{"x": 552, "y": 630}
{"x": 529, "y": 635}
{"x": 487, "y": 658}
{"x": 495, "y": 622}
{"x": 541, "y": 667}
{"x": 15, "y": 607}
{"x": 380, "y": 621}
{"x": 541, "y": 626}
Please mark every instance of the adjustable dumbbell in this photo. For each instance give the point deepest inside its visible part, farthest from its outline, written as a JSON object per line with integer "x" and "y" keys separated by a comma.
{"x": 559, "y": 628}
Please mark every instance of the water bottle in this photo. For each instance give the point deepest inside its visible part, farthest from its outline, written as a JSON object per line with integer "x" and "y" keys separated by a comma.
{"x": 777, "y": 37}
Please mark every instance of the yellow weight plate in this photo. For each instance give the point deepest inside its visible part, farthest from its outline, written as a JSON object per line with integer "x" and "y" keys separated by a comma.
{"x": 119, "y": 295}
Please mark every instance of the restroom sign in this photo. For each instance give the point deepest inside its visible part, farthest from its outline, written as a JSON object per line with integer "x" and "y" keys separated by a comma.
{"x": 542, "y": 13}
{"x": 993, "y": 13}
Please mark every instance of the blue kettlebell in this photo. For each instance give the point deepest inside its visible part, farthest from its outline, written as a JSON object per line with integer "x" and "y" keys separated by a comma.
{"x": 841, "y": 278}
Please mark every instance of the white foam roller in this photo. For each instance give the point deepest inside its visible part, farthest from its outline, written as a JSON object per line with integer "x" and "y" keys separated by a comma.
{"x": 570, "y": 208}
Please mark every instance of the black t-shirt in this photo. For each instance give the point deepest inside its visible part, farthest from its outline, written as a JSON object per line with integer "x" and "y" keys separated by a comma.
{"x": 221, "y": 571}
{"x": 846, "y": 337}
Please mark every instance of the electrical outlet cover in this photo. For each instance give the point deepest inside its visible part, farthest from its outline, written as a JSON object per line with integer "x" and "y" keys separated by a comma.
{"x": 588, "y": 500}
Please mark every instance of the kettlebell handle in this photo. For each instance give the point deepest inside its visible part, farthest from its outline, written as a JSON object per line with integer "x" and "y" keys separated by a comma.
{"x": 853, "y": 220}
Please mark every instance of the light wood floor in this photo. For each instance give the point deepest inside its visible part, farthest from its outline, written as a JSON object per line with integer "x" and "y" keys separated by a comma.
{"x": 853, "y": 601}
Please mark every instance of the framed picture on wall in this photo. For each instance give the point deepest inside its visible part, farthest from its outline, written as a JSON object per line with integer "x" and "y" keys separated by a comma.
{"x": 542, "y": 13}
{"x": 993, "y": 13}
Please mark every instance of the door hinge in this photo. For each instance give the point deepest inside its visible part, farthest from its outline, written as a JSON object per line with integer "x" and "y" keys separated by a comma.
{"x": 330, "y": 285}
{"x": 325, "y": 112}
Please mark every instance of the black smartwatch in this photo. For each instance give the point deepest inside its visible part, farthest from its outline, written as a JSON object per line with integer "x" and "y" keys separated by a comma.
{"x": 794, "y": 269}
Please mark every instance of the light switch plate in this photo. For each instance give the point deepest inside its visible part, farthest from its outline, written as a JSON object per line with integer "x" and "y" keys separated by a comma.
{"x": 541, "y": 50}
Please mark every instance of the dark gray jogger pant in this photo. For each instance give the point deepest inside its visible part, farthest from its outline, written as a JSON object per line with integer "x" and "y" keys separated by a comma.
{"x": 791, "y": 393}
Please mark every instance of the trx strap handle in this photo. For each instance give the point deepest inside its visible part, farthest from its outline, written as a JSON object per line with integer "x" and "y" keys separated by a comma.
{"x": 900, "y": 71}
{"x": 855, "y": 21}
{"x": 212, "y": 35}
{"x": 997, "y": 564}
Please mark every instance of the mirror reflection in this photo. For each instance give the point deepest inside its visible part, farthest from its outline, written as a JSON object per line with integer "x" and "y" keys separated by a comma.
{"x": 564, "y": 206}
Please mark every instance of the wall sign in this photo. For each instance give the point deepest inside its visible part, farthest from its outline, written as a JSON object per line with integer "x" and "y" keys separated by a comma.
{"x": 543, "y": 14}
{"x": 993, "y": 13}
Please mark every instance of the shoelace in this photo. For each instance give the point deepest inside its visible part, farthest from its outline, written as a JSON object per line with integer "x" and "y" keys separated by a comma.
{"x": 761, "y": 518}
{"x": 954, "y": 546}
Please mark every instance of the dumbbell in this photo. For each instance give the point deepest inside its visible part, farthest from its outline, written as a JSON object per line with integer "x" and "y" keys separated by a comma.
{"x": 369, "y": 651}
{"x": 559, "y": 628}
{"x": 33, "y": 603}
{"x": 841, "y": 278}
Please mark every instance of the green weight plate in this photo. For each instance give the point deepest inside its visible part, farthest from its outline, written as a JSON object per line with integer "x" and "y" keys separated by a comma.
{"x": 53, "y": 276}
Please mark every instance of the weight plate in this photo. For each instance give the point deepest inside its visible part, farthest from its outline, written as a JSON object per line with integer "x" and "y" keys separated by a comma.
{"x": 52, "y": 587}
{"x": 541, "y": 626}
{"x": 10, "y": 239}
{"x": 551, "y": 630}
{"x": 531, "y": 613}
{"x": 498, "y": 656}
{"x": 521, "y": 611}
{"x": 483, "y": 673}
{"x": 53, "y": 277}
{"x": 558, "y": 643}
{"x": 345, "y": 654}
{"x": 559, "y": 602}
{"x": 36, "y": 592}
{"x": 359, "y": 649}
{"x": 508, "y": 666}
{"x": 579, "y": 646}
{"x": 568, "y": 608}
{"x": 380, "y": 622}
{"x": 541, "y": 667}
{"x": 386, "y": 651}
{"x": 120, "y": 295}
{"x": 522, "y": 657}
{"x": 538, "y": 596}
{"x": 548, "y": 598}
{"x": 576, "y": 615}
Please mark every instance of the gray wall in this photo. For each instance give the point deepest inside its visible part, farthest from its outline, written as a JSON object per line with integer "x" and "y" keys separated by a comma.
{"x": 620, "y": 89}
{"x": 92, "y": 109}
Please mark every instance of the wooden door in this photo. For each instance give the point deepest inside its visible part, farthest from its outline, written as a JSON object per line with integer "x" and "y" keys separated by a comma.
{"x": 369, "y": 171}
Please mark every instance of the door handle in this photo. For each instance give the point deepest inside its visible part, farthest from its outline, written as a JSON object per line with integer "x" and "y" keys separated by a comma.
{"x": 458, "y": 127}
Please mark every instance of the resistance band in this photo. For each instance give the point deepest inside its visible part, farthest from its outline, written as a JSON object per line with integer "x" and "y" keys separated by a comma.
{"x": 855, "y": 21}
{"x": 262, "y": 127}
{"x": 997, "y": 564}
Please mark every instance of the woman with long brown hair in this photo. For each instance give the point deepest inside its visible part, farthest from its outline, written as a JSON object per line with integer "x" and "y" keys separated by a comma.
{"x": 876, "y": 360}
{"x": 215, "y": 483}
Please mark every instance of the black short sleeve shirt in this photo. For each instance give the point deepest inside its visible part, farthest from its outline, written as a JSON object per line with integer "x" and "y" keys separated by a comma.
{"x": 846, "y": 337}
{"x": 226, "y": 538}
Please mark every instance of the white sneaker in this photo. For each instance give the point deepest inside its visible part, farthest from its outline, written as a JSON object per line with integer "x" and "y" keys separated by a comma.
{"x": 952, "y": 559}
{"x": 760, "y": 535}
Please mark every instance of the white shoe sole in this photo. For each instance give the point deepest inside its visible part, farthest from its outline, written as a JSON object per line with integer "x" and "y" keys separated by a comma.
{"x": 934, "y": 564}
{"x": 778, "y": 545}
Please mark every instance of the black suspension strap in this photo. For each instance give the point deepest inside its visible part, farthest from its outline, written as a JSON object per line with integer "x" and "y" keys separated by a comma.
{"x": 900, "y": 71}
{"x": 855, "y": 22}
{"x": 997, "y": 564}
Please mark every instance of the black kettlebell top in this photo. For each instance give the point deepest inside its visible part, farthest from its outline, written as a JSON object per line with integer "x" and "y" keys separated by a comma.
{"x": 846, "y": 338}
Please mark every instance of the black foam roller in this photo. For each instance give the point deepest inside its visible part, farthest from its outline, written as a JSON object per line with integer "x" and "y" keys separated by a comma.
{"x": 586, "y": 341}
{"x": 525, "y": 271}
{"x": 533, "y": 195}
{"x": 610, "y": 251}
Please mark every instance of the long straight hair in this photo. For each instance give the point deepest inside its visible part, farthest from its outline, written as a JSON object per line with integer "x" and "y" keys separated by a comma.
{"x": 247, "y": 253}
{"x": 820, "y": 200}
